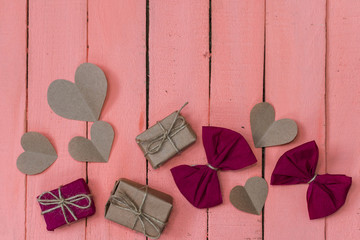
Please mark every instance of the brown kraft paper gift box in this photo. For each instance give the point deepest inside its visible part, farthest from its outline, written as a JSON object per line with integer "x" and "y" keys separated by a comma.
{"x": 166, "y": 138}
{"x": 139, "y": 207}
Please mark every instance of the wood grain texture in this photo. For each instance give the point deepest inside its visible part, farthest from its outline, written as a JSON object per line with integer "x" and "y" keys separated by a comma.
{"x": 12, "y": 122}
{"x": 303, "y": 40}
{"x": 343, "y": 112}
{"x": 117, "y": 45}
{"x": 236, "y": 86}
{"x": 295, "y": 86}
{"x": 57, "y": 45}
{"x": 179, "y": 72}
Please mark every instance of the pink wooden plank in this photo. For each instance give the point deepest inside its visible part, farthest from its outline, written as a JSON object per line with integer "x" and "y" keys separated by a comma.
{"x": 179, "y": 72}
{"x": 12, "y": 122}
{"x": 57, "y": 45}
{"x": 343, "y": 111}
{"x": 236, "y": 86}
{"x": 295, "y": 85}
{"x": 117, "y": 45}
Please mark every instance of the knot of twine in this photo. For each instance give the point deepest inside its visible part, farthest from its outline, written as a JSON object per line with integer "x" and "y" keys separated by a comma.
{"x": 125, "y": 203}
{"x": 209, "y": 165}
{"x": 64, "y": 203}
{"x": 313, "y": 178}
{"x": 156, "y": 143}
{"x": 213, "y": 168}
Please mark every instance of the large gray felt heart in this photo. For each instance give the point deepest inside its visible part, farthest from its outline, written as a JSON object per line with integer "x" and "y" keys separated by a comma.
{"x": 250, "y": 198}
{"x": 98, "y": 148}
{"x": 39, "y": 154}
{"x": 268, "y": 132}
{"x": 81, "y": 100}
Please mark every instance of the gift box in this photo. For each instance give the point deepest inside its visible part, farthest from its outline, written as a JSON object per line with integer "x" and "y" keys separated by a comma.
{"x": 139, "y": 207}
{"x": 66, "y": 204}
{"x": 166, "y": 138}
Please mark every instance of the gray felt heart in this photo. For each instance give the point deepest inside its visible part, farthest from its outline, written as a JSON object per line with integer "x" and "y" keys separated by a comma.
{"x": 81, "y": 100}
{"x": 39, "y": 154}
{"x": 98, "y": 148}
{"x": 268, "y": 132}
{"x": 250, "y": 198}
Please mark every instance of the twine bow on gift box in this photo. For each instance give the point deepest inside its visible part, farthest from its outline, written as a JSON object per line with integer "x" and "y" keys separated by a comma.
{"x": 63, "y": 203}
{"x": 155, "y": 144}
{"x": 124, "y": 202}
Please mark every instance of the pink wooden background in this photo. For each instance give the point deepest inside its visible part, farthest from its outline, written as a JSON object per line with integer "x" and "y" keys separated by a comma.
{"x": 223, "y": 56}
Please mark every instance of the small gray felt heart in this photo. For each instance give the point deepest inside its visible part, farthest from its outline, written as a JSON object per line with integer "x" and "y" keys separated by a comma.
{"x": 81, "y": 100}
{"x": 39, "y": 154}
{"x": 98, "y": 148}
{"x": 250, "y": 198}
{"x": 268, "y": 132}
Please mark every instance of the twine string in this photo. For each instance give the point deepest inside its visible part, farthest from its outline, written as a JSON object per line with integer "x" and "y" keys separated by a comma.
{"x": 209, "y": 165}
{"x": 213, "y": 168}
{"x": 313, "y": 178}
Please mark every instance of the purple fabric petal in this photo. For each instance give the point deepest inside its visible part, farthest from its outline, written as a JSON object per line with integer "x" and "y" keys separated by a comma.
{"x": 199, "y": 185}
{"x": 297, "y": 165}
{"x": 225, "y": 150}
{"x": 326, "y": 193}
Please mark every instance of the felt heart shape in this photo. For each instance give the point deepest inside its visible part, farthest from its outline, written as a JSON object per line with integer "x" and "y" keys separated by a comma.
{"x": 98, "y": 148}
{"x": 268, "y": 132}
{"x": 250, "y": 198}
{"x": 38, "y": 153}
{"x": 81, "y": 100}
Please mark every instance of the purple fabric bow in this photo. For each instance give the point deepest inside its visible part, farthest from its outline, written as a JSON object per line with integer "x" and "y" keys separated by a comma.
{"x": 326, "y": 193}
{"x": 225, "y": 150}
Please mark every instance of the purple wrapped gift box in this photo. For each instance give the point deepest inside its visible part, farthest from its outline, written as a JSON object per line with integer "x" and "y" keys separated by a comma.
{"x": 66, "y": 204}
